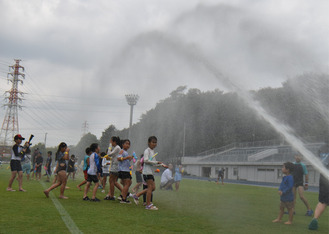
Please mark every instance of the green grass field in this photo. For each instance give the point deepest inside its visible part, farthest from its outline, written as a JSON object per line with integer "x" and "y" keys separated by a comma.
{"x": 199, "y": 207}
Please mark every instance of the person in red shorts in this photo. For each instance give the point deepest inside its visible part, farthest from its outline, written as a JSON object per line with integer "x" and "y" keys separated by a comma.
{"x": 85, "y": 168}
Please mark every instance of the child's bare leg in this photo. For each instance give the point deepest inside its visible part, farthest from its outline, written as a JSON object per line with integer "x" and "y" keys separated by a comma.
{"x": 62, "y": 178}
{"x": 136, "y": 187}
{"x": 291, "y": 216}
{"x": 104, "y": 182}
{"x": 125, "y": 189}
{"x": 112, "y": 181}
{"x": 53, "y": 186}
{"x": 278, "y": 219}
{"x": 82, "y": 183}
{"x": 86, "y": 189}
{"x": 11, "y": 180}
{"x": 95, "y": 190}
{"x": 320, "y": 208}
{"x": 150, "y": 189}
{"x": 118, "y": 186}
{"x": 20, "y": 180}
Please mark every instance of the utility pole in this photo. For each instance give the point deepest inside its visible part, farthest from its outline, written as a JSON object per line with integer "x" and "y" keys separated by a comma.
{"x": 46, "y": 140}
{"x": 10, "y": 125}
{"x": 184, "y": 139}
{"x": 85, "y": 127}
{"x": 132, "y": 101}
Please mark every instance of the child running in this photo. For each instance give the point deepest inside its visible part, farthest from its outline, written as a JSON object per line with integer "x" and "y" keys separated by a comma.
{"x": 94, "y": 168}
{"x": 62, "y": 155}
{"x": 138, "y": 174}
{"x": 149, "y": 161}
{"x": 106, "y": 171}
{"x": 85, "y": 167}
{"x": 286, "y": 193}
{"x": 114, "y": 170}
{"x": 124, "y": 171}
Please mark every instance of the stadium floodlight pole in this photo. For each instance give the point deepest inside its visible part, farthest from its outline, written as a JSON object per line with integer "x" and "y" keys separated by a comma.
{"x": 132, "y": 101}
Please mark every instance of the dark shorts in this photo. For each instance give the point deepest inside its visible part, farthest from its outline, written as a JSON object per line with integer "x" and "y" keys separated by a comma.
{"x": 70, "y": 169}
{"x": 124, "y": 175}
{"x": 324, "y": 190}
{"x": 92, "y": 178}
{"x": 288, "y": 205}
{"x": 114, "y": 173}
{"x": 148, "y": 177}
{"x": 106, "y": 174}
{"x": 299, "y": 183}
{"x": 85, "y": 174}
{"x": 15, "y": 165}
{"x": 38, "y": 169}
{"x": 139, "y": 178}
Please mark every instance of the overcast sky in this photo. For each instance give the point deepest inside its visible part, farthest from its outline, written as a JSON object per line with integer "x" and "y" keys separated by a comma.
{"x": 81, "y": 57}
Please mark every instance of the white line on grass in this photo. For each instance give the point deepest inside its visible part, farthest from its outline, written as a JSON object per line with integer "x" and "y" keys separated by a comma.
{"x": 70, "y": 224}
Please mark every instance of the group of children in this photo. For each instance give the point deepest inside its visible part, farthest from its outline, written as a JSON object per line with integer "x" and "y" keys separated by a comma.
{"x": 116, "y": 164}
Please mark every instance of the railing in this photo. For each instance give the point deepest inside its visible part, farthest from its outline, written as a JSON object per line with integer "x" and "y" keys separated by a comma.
{"x": 254, "y": 144}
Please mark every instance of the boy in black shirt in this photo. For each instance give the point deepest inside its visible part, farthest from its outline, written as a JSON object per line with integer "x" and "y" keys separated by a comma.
{"x": 17, "y": 153}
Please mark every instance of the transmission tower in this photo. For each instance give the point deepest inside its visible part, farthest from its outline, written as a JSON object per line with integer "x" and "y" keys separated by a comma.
{"x": 13, "y": 97}
{"x": 85, "y": 127}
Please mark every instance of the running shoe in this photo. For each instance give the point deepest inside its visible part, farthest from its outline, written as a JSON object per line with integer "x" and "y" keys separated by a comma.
{"x": 120, "y": 198}
{"x": 95, "y": 200}
{"x": 86, "y": 198}
{"x": 135, "y": 199}
{"x": 309, "y": 213}
{"x": 150, "y": 207}
{"x": 313, "y": 225}
{"x": 125, "y": 201}
{"x": 103, "y": 191}
{"x": 109, "y": 198}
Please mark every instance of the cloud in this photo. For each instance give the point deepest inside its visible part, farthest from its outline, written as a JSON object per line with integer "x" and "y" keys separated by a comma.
{"x": 83, "y": 56}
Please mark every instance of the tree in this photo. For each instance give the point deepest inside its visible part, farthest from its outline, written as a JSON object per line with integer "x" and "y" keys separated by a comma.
{"x": 85, "y": 141}
{"x": 106, "y": 135}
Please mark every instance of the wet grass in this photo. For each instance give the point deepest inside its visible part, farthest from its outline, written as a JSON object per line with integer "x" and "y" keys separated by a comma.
{"x": 199, "y": 207}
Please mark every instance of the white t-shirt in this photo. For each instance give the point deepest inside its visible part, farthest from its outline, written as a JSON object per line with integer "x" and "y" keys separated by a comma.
{"x": 106, "y": 167}
{"x": 149, "y": 161}
{"x": 114, "y": 161}
{"x": 92, "y": 165}
{"x": 166, "y": 176}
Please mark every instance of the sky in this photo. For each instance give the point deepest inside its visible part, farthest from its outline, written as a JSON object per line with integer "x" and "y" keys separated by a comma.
{"x": 82, "y": 57}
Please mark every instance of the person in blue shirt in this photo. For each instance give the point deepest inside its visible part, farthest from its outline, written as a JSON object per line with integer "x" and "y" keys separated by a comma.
{"x": 93, "y": 171}
{"x": 286, "y": 193}
{"x": 85, "y": 168}
{"x": 124, "y": 170}
{"x": 178, "y": 176}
